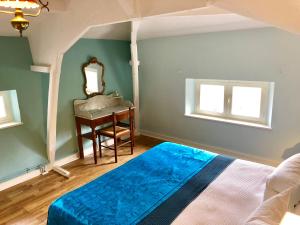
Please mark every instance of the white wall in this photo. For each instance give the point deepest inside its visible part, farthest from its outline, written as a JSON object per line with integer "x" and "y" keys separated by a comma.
{"x": 258, "y": 55}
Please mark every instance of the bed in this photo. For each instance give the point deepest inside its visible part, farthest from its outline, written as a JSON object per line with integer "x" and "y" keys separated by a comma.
{"x": 169, "y": 184}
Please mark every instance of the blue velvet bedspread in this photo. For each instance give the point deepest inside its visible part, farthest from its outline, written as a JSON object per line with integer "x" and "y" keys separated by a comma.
{"x": 129, "y": 193}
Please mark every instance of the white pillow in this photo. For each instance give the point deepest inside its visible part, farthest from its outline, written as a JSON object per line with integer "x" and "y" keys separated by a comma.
{"x": 271, "y": 211}
{"x": 286, "y": 175}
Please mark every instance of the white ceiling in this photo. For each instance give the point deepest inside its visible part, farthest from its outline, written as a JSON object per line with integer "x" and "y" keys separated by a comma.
{"x": 208, "y": 19}
{"x": 175, "y": 26}
{"x": 119, "y": 31}
{"x": 182, "y": 25}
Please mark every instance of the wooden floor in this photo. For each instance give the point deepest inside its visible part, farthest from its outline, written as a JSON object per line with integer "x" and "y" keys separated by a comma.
{"x": 28, "y": 203}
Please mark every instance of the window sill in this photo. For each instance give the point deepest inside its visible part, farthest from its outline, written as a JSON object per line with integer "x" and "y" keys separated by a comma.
{"x": 10, "y": 124}
{"x": 242, "y": 123}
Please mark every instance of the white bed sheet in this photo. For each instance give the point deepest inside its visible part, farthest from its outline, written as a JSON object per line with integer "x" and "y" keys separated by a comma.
{"x": 230, "y": 199}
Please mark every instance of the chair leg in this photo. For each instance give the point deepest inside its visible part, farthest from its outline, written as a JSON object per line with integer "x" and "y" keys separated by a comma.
{"x": 131, "y": 142}
{"x": 115, "y": 146}
{"x": 132, "y": 133}
{"x": 131, "y": 146}
{"x": 100, "y": 148}
{"x": 94, "y": 137}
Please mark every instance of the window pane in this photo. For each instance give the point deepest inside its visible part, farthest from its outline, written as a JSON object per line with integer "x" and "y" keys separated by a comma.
{"x": 2, "y": 108}
{"x": 246, "y": 101}
{"x": 212, "y": 98}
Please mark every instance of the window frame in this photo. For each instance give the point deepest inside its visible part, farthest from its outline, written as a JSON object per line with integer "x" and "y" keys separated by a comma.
{"x": 267, "y": 89}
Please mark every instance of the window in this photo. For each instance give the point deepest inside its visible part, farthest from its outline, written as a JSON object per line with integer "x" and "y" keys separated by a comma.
{"x": 2, "y": 108}
{"x": 9, "y": 109}
{"x": 242, "y": 102}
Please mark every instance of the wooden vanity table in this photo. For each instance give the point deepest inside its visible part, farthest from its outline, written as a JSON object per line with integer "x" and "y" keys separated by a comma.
{"x": 104, "y": 116}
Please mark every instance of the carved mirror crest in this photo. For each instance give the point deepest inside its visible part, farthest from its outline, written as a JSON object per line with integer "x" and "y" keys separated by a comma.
{"x": 93, "y": 73}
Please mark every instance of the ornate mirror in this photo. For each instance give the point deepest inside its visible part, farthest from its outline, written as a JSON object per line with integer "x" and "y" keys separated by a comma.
{"x": 93, "y": 73}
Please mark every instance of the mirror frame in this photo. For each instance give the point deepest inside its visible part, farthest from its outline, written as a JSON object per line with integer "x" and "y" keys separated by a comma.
{"x": 93, "y": 60}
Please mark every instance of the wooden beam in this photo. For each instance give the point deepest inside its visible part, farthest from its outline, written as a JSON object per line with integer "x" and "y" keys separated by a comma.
{"x": 40, "y": 69}
{"x": 135, "y": 71}
{"x": 52, "y": 116}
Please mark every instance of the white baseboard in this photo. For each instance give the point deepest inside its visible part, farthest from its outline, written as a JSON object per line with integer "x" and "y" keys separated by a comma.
{"x": 71, "y": 158}
{"x": 215, "y": 149}
{"x": 68, "y": 159}
{"x": 75, "y": 156}
{"x": 36, "y": 173}
{"x": 19, "y": 179}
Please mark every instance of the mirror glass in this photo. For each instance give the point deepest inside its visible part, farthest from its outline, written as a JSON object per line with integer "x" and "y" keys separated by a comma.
{"x": 93, "y": 75}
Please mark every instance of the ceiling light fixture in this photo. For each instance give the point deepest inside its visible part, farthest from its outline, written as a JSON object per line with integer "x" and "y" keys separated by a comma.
{"x": 19, "y": 22}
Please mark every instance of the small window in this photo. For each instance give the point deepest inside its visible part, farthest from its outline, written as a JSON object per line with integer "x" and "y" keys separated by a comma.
{"x": 9, "y": 109}
{"x": 243, "y": 102}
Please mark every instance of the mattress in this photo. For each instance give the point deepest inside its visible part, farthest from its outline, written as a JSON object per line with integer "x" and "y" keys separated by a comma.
{"x": 170, "y": 183}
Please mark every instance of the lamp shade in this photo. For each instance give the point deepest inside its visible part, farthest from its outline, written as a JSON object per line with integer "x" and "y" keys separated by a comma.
{"x": 21, "y": 4}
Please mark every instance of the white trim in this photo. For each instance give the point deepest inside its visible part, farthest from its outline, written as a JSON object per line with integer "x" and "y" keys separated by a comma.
{"x": 55, "y": 167}
{"x": 52, "y": 108}
{"x": 35, "y": 173}
{"x": 18, "y": 180}
{"x": 215, "y": 149}
{"x": 219, "y": 119}
{"x": 40, "y": 69}
{"x": 135, "y": 71}
{"x": 130, "y": 63}
{"x": 10, "y": 124}
{"x": 62, "y": 171}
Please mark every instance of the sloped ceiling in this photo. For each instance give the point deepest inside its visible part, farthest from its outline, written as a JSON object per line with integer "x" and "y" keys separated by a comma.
{"x": 118, "y": 31}
{"x": 207, "y": 19}
{"x": 69, "y": 19}
{"x": 182, "y": 25}
{"x": 164, "y": 26}
{"x": 284, "y": 14}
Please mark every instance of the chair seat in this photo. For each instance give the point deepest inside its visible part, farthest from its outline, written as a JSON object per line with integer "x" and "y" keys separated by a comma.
{"x": 109, "y": 131}
{"x": 117, "y": 130}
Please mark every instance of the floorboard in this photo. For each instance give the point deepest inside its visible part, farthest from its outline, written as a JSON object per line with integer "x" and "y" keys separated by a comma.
{"x": 28, "y": 203}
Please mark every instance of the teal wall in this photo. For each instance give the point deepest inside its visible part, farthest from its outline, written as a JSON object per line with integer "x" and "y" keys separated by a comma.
{"x": 23, "y": 147}
{"x": 115, "y": 56}
{"x": 258, "y": 55}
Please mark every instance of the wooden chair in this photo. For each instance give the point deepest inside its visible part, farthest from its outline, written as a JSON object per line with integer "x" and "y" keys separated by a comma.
{"x": 119, "y": 130}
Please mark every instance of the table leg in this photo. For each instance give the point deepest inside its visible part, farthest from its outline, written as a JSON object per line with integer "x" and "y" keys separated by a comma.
{"x": 79, "y": 140}
{"x": 100, "y": 147}
{"x": 132, "y": 128}
{"x": 94, "y": 137}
